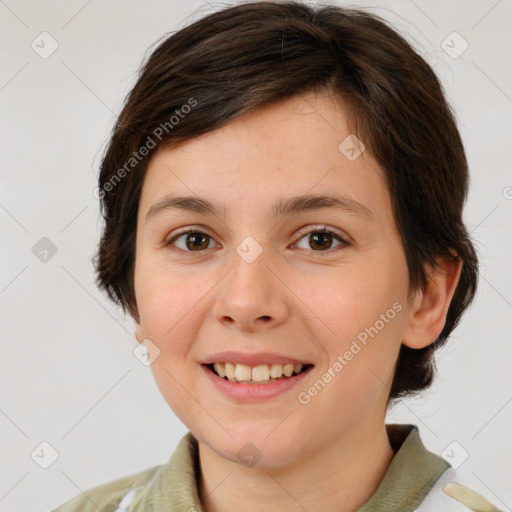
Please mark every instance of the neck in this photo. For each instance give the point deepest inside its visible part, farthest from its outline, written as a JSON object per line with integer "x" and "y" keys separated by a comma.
{"x": 339, "y": 476}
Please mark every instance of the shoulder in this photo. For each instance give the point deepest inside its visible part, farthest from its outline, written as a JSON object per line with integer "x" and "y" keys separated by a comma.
{"x": 457, "y": 491}
{"x": 171, "y": 484}
{"x": 107, "y": 497}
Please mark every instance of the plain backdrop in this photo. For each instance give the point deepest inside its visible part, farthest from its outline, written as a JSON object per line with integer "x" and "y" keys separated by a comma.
{"x": 68, "y": 374}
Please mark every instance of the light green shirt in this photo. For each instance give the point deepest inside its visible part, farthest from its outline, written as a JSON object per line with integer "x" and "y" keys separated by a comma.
{"x": 173, "y": 487}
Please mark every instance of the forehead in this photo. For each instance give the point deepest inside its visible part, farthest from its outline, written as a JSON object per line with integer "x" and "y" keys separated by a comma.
{"x": 291, "y": 148}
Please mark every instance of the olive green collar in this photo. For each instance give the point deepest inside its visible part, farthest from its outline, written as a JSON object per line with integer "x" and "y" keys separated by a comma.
{"x": 410, "y": 476}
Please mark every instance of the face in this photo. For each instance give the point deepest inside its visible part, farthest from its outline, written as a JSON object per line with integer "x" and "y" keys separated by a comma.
{"x": 261, "y": 285}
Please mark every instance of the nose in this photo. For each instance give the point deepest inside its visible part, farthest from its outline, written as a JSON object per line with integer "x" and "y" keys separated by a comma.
{"x": 252, "y": 296}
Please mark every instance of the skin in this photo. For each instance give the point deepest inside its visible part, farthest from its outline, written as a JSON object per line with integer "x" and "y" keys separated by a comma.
{"x": 295, "y": 299}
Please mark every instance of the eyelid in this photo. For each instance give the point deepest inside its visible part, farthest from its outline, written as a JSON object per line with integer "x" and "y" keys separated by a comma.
{"x": 344, "y": 239}
{"x": 313, "y": 228}
{"x": 188, "y": 229}
{"x": 184, "y": 231}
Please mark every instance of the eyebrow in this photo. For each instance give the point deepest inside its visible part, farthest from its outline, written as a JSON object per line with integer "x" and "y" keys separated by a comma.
{"x": 282, "y": 207}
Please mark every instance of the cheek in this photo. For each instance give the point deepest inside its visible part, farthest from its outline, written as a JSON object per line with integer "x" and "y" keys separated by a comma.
{"x": 170, "y": 307}
{"x": 166, "y": 298}
{"x": 359, "y": 314}
{"x": 348, "y": 299}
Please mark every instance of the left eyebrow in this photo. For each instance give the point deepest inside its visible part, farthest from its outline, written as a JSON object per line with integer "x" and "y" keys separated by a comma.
{"x": 312, "y": 202}
{"x": 282, "y": 207}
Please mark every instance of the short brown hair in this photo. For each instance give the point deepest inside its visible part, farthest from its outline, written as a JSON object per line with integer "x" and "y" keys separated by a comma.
{"x": 246, "y": 56}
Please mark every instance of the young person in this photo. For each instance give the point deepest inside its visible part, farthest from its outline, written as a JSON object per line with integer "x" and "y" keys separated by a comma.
{"x": 283, "y": 196}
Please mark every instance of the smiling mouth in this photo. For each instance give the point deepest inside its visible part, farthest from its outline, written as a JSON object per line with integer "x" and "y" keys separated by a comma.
{"x": 260, "y": 374}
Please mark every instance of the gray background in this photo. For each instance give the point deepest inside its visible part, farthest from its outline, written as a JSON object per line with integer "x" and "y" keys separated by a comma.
{"x": 68, "y": 374}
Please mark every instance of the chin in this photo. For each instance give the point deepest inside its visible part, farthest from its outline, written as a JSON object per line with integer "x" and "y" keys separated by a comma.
{"x": 255, "y": 447}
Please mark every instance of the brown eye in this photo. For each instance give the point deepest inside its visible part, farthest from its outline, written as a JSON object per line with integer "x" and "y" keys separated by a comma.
{"x": 322, "y": 240}
{"x": 193, "y": 241}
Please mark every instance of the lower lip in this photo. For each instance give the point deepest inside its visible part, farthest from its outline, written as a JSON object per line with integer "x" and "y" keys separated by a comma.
{"x": 254, "y": 392}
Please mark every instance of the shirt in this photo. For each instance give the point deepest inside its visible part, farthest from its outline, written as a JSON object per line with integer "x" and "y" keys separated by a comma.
{"x": 413, "y": 482}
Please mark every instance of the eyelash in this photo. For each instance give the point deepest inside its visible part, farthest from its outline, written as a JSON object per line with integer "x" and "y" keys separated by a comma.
{"x": 302, "y": 233}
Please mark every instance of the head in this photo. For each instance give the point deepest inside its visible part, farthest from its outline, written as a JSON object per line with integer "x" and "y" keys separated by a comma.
{"x": 247, "y": 109}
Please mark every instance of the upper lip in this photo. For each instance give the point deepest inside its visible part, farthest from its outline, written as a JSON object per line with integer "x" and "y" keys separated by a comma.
{"x": 255, "y": 359}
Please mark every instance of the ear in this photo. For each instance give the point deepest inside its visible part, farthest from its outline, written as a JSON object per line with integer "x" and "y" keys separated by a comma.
{"x": 427, "y": 315}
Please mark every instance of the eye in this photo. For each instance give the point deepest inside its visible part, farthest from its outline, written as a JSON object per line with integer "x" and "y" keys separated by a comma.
{"x": 322, "y": 239}
{"x": 193, "y": 241}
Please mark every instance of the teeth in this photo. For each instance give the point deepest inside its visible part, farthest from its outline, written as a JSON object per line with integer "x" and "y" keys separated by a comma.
{"x": 261, "y": 373}
{"x": 242, "y": 372}
{"x": 288, "y": 369}
{"x": 219, "y": 369}
{"x": 276, "y": 371}
{"x": 230, "y": 370}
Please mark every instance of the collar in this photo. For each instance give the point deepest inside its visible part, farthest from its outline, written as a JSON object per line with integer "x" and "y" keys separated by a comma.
{"x": 410, "y": 476}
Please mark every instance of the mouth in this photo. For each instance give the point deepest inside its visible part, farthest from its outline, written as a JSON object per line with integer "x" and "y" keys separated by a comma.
{"x": 257, "y": 375}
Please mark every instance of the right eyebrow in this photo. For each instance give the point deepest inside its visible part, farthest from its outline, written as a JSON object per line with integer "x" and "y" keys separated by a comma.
{"x": 186, "y": 203}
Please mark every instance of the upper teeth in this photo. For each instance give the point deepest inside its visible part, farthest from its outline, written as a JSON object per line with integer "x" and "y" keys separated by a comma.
{"x": 262, "y": 372}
